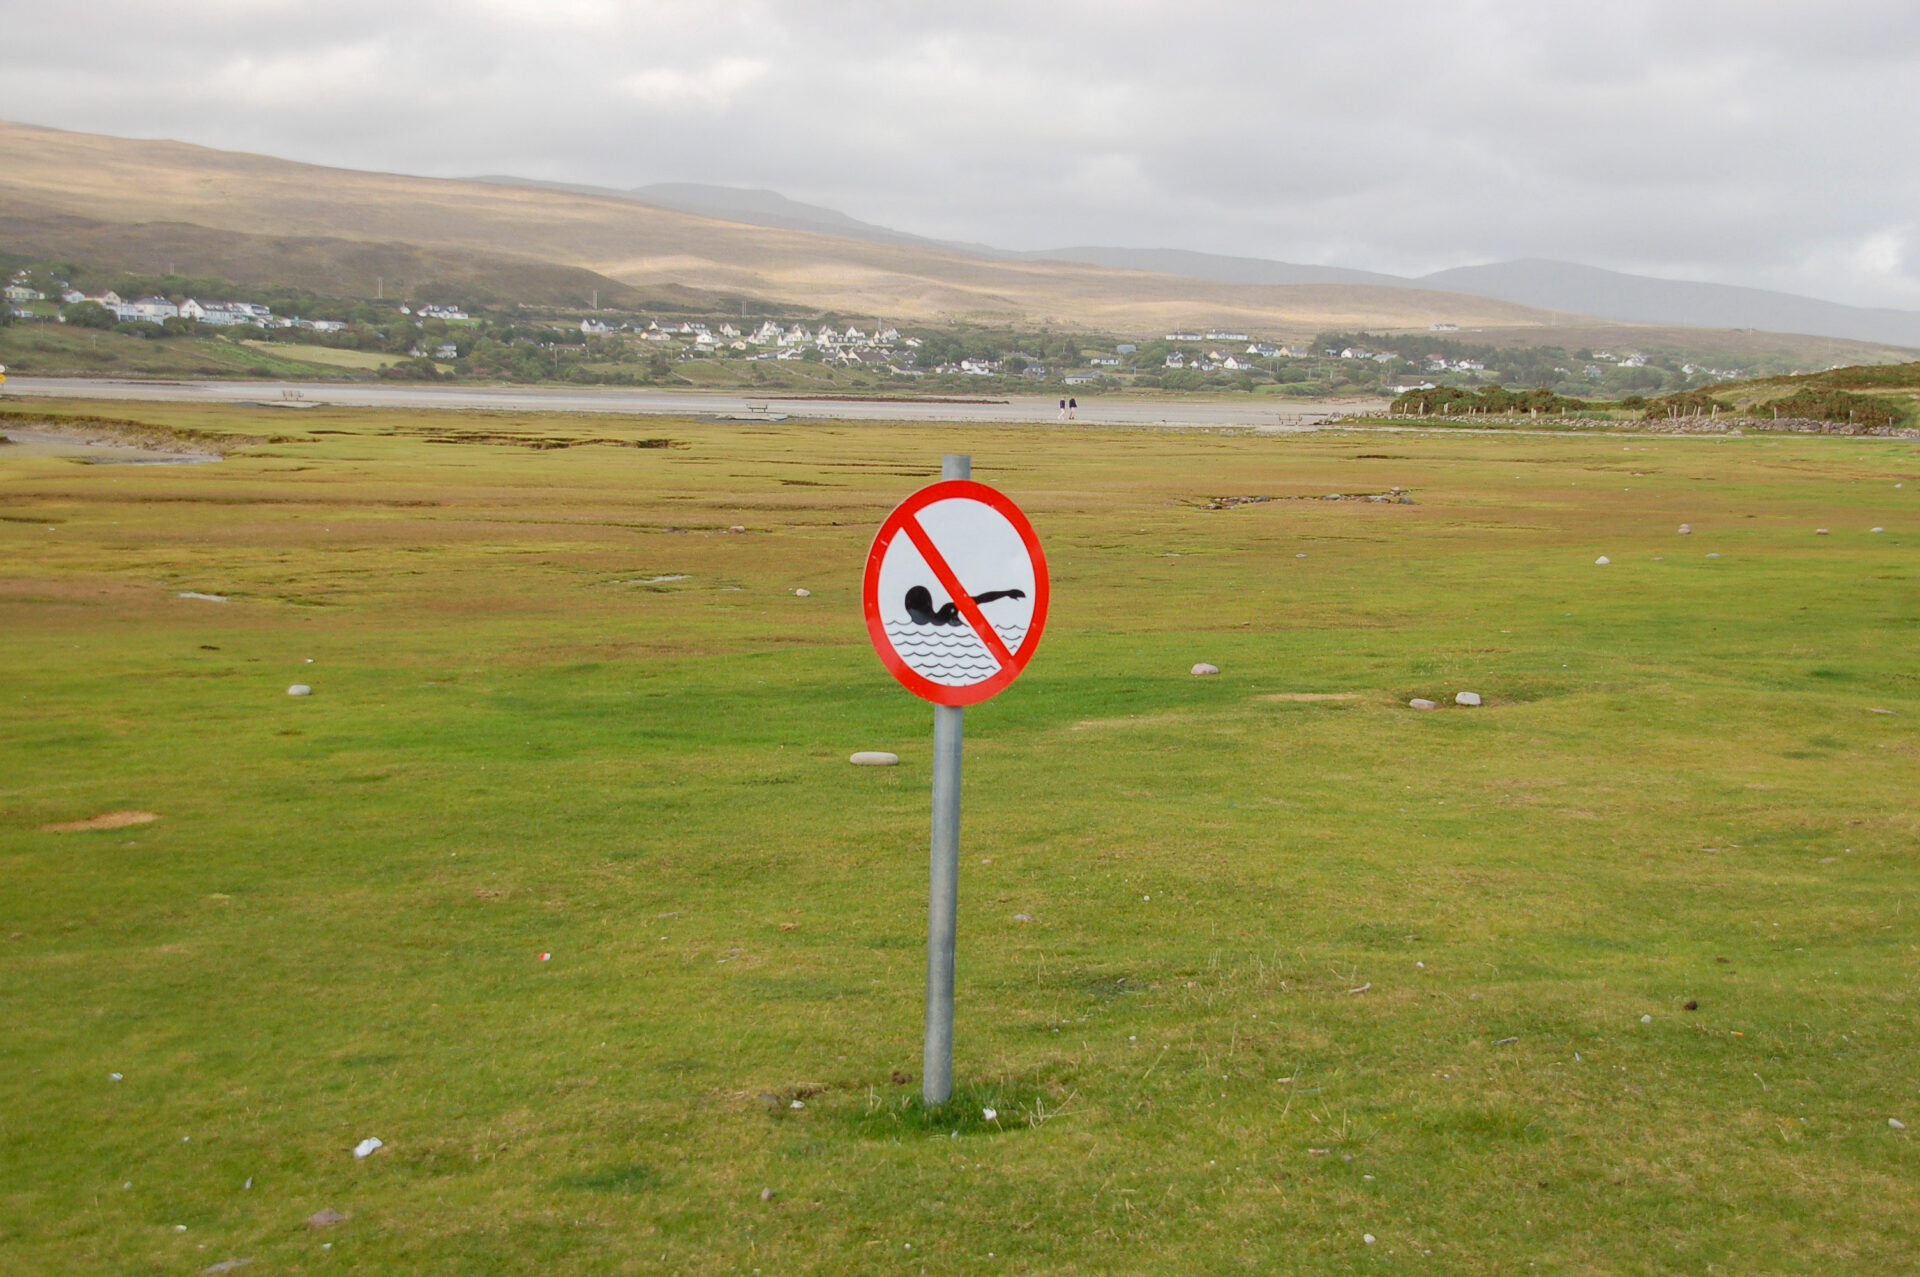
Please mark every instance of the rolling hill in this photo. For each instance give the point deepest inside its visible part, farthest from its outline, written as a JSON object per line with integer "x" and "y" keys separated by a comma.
{"x": 149, "y": 189}
{"x": 143, "y": 205}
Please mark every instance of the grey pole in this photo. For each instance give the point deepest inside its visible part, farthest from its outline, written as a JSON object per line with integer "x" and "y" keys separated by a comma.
{"x": 943, "y": 887}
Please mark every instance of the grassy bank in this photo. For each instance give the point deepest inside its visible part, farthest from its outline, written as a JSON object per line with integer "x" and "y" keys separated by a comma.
{"x": 1252, "y": 967}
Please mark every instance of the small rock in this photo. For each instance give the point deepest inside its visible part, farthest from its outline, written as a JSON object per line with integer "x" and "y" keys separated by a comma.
{"x": 1896, "y": 1124}
{"x": 737, "y": 528}
{"x": 766, "y": 1194}
{"x": 325, "y": 1219}
{"x": 1602, "y": 561}
{"x": 1466, "y": 698}
{"x": 1021, "y": 917}
{"x": 1691, "y": 1004}
{"x": 1876, "y": 529}
{"x": 874, "y": 758}
{"x": 1877, "y": 710}
{"x": 114, "y": 1076}
{"x": 1204, "y": 668}
{"x": 803, "y": 593}
{"x": 1367, "y": 1238}
{"x": 1421, "y": 702}
{"x": 179, "y": 1228}
{"x": 1646, "y": 1019}
{"x": 1506, "y": 1041}
{"x": 1686, "y": 529}
{"x": 368, "y": 1147}
{"x": 798, "y": 1104}
{"x": 901, "y": 1079}
{"x": 1819, "y": 532}
{"x": 989, "y": 1115}
{"x": 226, "y": 1265}
{"x": 771, "y": 1101}
{"x": 1714, "y": 555}
{"x": 299, "y": 689}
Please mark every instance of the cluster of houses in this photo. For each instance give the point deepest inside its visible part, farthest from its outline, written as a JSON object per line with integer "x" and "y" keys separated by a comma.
{"x": 771, "y": 340}
{"x": 155, "y": 309}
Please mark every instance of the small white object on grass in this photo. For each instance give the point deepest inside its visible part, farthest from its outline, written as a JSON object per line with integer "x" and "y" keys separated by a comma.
{"x": 1896, "y": 1124}
{"x": 1646, "y": 1019}
{"x": 179, "y": 1228}
{"x": 1686, "y": 529}
{"x": 114, "y": 1076}
{"x": 803, "y": 593}
{"x": 208, "y": 598}
{"x": 1876, "y": 529}
{"x": 1367, "y": 1238}
{"x": 1819, "y": 532}
{"x": 1466, "y": 698}
{"x": 299, "y": 689}
{"x": 990, "y": 1114}
{"x": 1421, "y": 702}
{"x": 874, "y": 758}
{"x": 367, "y": 1147}
{"x": 1602, "y": 561}
{"x": 1714, "y": 555}
{"x": 1204, "y": 668}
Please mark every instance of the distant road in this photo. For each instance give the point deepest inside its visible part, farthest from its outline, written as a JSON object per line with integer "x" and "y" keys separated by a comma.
{"x": 1019, "y": 409}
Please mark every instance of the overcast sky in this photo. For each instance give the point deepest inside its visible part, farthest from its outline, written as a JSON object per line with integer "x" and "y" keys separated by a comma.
{"x": 1753, "y": 143}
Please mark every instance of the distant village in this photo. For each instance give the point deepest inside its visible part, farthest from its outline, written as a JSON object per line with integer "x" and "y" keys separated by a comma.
{"x": 1189, "y": 357}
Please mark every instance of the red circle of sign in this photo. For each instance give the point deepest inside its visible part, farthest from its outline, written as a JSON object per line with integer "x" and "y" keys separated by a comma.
{"x": 925, "y": 688}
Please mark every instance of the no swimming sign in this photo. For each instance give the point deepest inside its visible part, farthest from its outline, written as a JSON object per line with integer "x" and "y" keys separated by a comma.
{"x": 956, "y": 592}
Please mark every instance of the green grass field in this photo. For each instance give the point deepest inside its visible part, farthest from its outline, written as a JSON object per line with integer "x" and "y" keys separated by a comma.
{"x": 1311, "y": 982}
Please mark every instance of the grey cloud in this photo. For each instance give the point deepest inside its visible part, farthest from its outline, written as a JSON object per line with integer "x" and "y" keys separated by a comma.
{"x": 1745, "y": 143}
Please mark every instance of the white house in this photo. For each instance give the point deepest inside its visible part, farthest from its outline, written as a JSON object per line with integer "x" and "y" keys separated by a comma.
{"x": 21, "y": 293}
{"x": 1264, "y": 350}
{"x": 446, "y": 350}
{"x": 594, "y": 328}
{"x": 150, "y": 310}
{"x": 1221, "y": 334}
{"x": 1104, "y": 361}
{"x": 1184, "y": 336}
{"x": 1176, "y": 360}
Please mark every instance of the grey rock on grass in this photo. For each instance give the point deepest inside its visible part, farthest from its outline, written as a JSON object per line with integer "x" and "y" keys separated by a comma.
{"x": 1204, "y": 668}
{"x": 1421, "y": 702}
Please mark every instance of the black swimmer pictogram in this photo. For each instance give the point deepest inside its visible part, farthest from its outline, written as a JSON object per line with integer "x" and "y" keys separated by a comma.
{"x": 920, "y": 605}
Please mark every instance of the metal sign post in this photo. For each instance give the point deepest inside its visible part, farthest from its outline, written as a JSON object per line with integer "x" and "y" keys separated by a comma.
{"x": 942, "y": 557}
{"x": 943, "y": 876}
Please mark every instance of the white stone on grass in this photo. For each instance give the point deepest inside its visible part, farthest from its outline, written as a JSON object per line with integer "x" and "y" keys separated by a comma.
{"x": 368, "y": 1146}
{"x": 874, "y": 758}
{"x": 803, "y": 594}
{"x": 1204, "y": 668}
{"x": 1896, "y": 1124}
{"x": 1819, "y": 532}
{"x": 1602, "y": 561}
{"x": 1466, "y": 698}
{"x": 1686, "y": 529}
{"x": 1876, "y": 529}
{"x": 299, "y": 689}
{"x": 1421, "y": 702}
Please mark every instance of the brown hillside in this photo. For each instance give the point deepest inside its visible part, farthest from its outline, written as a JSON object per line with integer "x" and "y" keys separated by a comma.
{"x": 502, "y": 232}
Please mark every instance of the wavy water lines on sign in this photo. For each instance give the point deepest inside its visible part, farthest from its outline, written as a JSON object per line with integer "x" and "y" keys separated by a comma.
{"x": 951, "y": 655}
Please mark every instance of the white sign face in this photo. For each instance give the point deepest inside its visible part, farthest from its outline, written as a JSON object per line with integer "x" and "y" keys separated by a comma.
{"x": 956, "y": 592}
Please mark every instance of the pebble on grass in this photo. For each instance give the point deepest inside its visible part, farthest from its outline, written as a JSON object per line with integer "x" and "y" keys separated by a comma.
{"x": 1421, "y": 702}
{"x": 1466, "y": 698}
{"x": 1204, "y": 667}
{"x": 1602, "y": 561}
{"x": 874, "y": 758}
{"x": 325, "y": 1219}
{"x": 299, "y": 689}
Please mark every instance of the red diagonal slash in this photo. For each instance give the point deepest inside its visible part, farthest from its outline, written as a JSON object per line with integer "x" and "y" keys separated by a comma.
{"x": 951, "y": 584}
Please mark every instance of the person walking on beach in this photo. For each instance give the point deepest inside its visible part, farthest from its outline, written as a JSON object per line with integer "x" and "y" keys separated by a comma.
{"x": 1073, "y": 406}
{"x": 1063, "y": 410}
